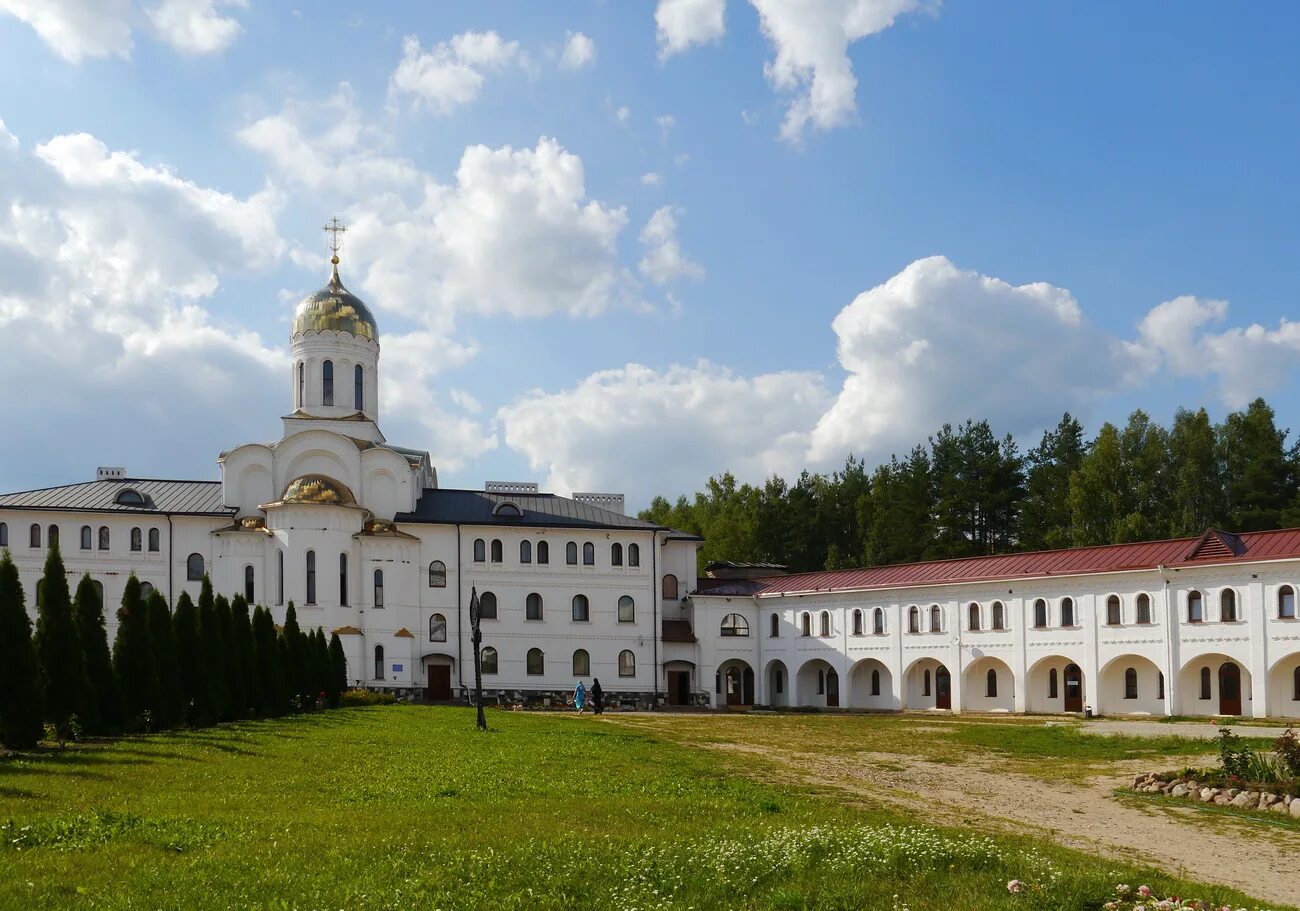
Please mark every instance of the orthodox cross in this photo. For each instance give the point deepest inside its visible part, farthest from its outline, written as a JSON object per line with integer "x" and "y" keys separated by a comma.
{"x": 334, "y": 229}
{"x": 476, "y": 637}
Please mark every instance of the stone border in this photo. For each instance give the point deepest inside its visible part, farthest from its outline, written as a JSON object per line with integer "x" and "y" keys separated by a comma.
{"x": 1191, "y": 789}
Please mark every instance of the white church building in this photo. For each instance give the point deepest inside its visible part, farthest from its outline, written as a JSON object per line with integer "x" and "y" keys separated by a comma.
{"x": 357, "y": 533}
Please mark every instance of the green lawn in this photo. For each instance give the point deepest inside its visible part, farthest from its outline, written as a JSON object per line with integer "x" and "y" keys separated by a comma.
{"x": 409, "y": 807}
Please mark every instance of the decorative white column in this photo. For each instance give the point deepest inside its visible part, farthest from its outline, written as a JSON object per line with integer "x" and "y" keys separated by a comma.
{"x": 1019, "y": 627}
{"x": 954, "y": 613}
{"x": 1257, "y": 623}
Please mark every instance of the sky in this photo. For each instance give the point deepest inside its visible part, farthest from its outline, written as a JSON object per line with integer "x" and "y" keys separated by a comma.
{"x": 624, "y": 246}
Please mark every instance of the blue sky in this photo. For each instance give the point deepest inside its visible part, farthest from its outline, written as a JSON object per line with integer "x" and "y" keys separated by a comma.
{"x": 1003, "y": 211}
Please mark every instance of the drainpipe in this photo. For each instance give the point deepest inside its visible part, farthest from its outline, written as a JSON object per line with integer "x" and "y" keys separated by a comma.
{"x": 654, "y": 611}
{"x": 460, "y": 667}
{"x": 171, "y": 558}
{"x": 1172, "y": 675}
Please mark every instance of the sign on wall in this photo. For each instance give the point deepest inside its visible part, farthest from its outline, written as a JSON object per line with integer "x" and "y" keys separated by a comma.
{"x": 397, "y": 668}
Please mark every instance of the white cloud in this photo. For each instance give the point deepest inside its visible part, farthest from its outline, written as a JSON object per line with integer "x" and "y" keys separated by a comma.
{"x": 681, "y": 24}
{"x": 681, "y": 160}
{"x": 664, "y": 261}
{"x": 811, "y": 40}
{"x": 624, "y": 114}
{"x": 451, "y": 73}
{"x": 77, "y": 29}
{"x": 665, "y": 122}
{"x": 579, "y": 51}
{"x": 195, "y": 26}
{"x": 651, "y": 179}
{"x": 643, "y": 432}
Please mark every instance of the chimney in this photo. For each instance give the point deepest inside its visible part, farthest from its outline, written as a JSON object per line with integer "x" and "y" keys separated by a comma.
{"x": 508, "y": 487}
{"x": 610, "y": 502}
{"x": 110, "y": 473}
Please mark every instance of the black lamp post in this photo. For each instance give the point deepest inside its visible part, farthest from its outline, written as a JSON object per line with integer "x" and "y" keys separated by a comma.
{"x": 476, "y": 637}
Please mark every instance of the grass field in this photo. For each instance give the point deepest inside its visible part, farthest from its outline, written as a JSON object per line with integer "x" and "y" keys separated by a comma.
{"x": 409, "y": 807}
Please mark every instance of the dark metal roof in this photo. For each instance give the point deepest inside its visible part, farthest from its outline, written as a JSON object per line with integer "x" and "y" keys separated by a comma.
{"x": 178, "y": 497}
{"x": 677, "y": 631}
{"x": 476, "y": 507}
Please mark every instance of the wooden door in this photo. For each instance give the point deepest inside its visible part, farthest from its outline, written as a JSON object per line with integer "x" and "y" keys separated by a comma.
{"x": 1229, "y": 689}
{"x": 439, "y": 682}
{"x": 832, "y": 688}
{"x": 734, "y": 693}
{"x": 679, "y": 687}
{"x": 942, "y": 689}
{"x": 1073, "y": 688}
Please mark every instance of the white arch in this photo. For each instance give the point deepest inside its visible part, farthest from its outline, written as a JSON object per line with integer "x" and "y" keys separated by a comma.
{"x": 1190, "y": 690}
{"x": 784, "y": 695}
{"x": 1113, "y": 690}
{"x": 818, "y": 684}
{"x": 1282, "y": 695}
{"x": 860, "y": 694}
{"x": 975, "y": 686}
{"x": 1038, "y": 685}
{"x": 916, "y": 693}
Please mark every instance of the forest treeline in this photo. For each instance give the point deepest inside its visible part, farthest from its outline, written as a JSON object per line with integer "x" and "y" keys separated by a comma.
{"x": 967, "y": 492}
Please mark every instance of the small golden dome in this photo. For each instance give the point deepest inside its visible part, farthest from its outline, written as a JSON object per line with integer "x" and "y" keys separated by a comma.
{"x": 318, "y": 489}
{"x": 336, "y": 309}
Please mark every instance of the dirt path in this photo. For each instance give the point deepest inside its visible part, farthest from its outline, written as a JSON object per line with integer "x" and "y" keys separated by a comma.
{"x": 1261, "y": 860}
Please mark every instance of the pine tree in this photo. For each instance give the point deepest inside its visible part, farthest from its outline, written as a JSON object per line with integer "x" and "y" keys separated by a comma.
{"x": 133, "y": 658}
{"x": 246, "y": 698}
{"x": 1261, "y": 479}
{"x": 338, "y": 674}
{"x": 58, "y": 648}
{"x": 185, "y": 630}
{"x": 231, "y": 687}
{"x": 169, "y": 705}
{"x": 22, "y": 697}
{"x": 267, "y": 659}
{"x": 1196, "y": 467}
{"x": 210, "y": 657}
{"x": 106, "y": 713}
{"x": 1045, "y": 519}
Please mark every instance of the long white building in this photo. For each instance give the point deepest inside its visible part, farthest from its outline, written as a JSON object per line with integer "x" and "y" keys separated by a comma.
{"x": 357, "y": 533}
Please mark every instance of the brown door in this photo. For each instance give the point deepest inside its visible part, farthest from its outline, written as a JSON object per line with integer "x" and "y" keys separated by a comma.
{"x": 1073, "y": 688}
{"x": 439, "y": 682}
{"x": 942, "y": 689}
{"x": 679, "y": 687}
{"x": 832, "y": 688}
{"x": 735, "y": 695}
{"x": 1229, "y": 689}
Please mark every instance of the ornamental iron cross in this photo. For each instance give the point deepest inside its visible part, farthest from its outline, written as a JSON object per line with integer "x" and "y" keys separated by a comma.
{"x": 335, "y": 228}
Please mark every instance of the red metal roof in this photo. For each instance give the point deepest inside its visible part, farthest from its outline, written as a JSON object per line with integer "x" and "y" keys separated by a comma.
{"x": 1175, "y": 553}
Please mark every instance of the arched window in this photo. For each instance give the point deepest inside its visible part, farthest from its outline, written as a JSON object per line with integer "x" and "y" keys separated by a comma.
{"x": 1040, "y": 614}
{"x": 913, "y": 619}
{"x": 137, "y": 539}
{"x": 311, "y": 577}
{"x": 588, "y": 554}
{"x": 525, "y": 551}
{"x": 248, "y": 585}
{"x": 437, "y": 574}
{"x": 40, "y": 592}
{"x": 805, "y": 623}
{"x": 626, "y": 609}
{"x": 533, "y": 607}
{"x": 1195, "y": 608}
{"x": 496, "y": 550}
{"x": 358, "y": 388}
{"x": 991, "y": 684}
{"x": 488, "y": 660}
{"x": 1114, "y": 611}
{"x": 778, "y": 680}
{"x": 487, "y": 606}
{"x": 774, "y": 627}
{"x": 1067, "y": 612}
{"x": 194, "y": 568}
{"x": 858, "y": 627}
{"x": 1205, "y": 683}
{"x": 87, "y": 537}
{"x": 279, "y": 584}
{"x": 4, "y": 534}
{"x": 581, "y": 608}
{"x": 302, "y": 384}
{"x": 875, "y": 682}
{"x": 571, "y": 553}
{"x": 543, "y": 552}
{"x": 52, "y": 536}
{"x": 1295, "y": 684}
{"x": 35, "y": 535}
{"x": 936, "y": 618}
{"x": 99, "y": 590}
{"x": 379, "y": 655}
{"x": 634, "y": 555}
{"x": 1051, "y": 684}
{"x": 878, "y": 621}
{"x": 103, "y": 537}
{"x": 480, "y": 550}
{"x": 999, "y": 615}
{"x": 824, "y": 624}
{"x": 581, "y": 663}
{"x": 1286, "y": 603}
{"x": 343, "y": 580}
{"x": 626, "y": 664}
{"x": 535, "y": 662}
{"x": 146, "y": 591}
{"x": 925, "y": 683}
{"x": 616, "y": 554}
{"x": 1228, "y": 605}
{"x": 735, "y": 625}
{"x": 153, "y": 540}
{"x": 1143, "y": 608}
{"x": 1160, "y": 684}
{"x": 973, "y": 616}
{"x": 437, "y": 628}
{"x": 327, "y": 384}
{"x": 1131, "y": 683}
{"x": 670, "y": 587}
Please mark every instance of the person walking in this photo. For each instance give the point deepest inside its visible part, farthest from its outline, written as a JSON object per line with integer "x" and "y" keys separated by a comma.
{"x": 597, "y": 697}
{"x": 580, "y": 698}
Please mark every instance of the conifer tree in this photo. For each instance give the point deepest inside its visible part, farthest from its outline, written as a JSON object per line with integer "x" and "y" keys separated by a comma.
{"x": 229, "y": 662}
{"x": 185, "y": 629}
{"x": 210, "y": 657}
{"x": 58, "y": 649}
{"x": 245, "y": 696}
{"x": 133, "y": 658}
{"x": 338, "y": 672}
{"x": 267, "y": 659}
{"x": 22, "y": 696}
{"x": 105, "y": 714}
{"x": 169, "y": 706}
{"x": 320, "y": 686}
{"x": 295, "y": 652}
{"x": 1261, "y": 479}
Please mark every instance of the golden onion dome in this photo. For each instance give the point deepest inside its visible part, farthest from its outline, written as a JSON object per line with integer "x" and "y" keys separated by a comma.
{"x": 318, "y": 489}
{"x": 336, "y": 309}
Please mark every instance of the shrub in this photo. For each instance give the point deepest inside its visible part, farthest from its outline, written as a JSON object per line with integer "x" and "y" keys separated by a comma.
{"x": 1288, "y": 752}
{"x": 368, "y": 697}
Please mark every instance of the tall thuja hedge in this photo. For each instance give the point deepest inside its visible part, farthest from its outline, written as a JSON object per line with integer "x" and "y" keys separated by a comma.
{"x": 231, "y": 708}
{"x": 169, "y": 705}
{"x": 185, "y": 630}
{"x": 337, "y": 681}
{"x": 297, "y": 670}
{"x": 244, "y": 684}
{"x": 22, "y": 697}
{"x": 58, "y": 649}
{"x": 105, "y": 712}
{"x": 320, "y": 665}
{"x": 211, "y": 664}
{"x": 266, "y": 659}
{"x": 133, "y": 656}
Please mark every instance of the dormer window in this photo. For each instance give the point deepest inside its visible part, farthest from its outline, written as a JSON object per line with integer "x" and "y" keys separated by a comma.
{"x": 508, "y": 510}
{"x": 129, "y": 497}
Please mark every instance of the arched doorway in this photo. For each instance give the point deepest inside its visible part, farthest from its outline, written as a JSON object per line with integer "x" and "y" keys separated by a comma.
{"x": 988, "y": 686}
{"x": 927, "y": 684}
{"x": 1229, "y": 689}
{"x": 736, "y": 679}
{"x": 1213, "y": 684}
{"x": 942, "y": 688}
{"x": 1131, "y": 685}
{"x": 778, "y": 683}
{"x": 871, "y": 686}
{"x": 1284, "y": 687}
{"x": 437, "y": 669}
{"x": 677, "y": 677}
{"x": 818, "y": 684}
{"x": 1045, "y": 689}
{"x": 1073, "y": 688}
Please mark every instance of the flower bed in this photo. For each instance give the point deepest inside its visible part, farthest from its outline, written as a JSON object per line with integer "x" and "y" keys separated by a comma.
{"x": 1143, "y": 898}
